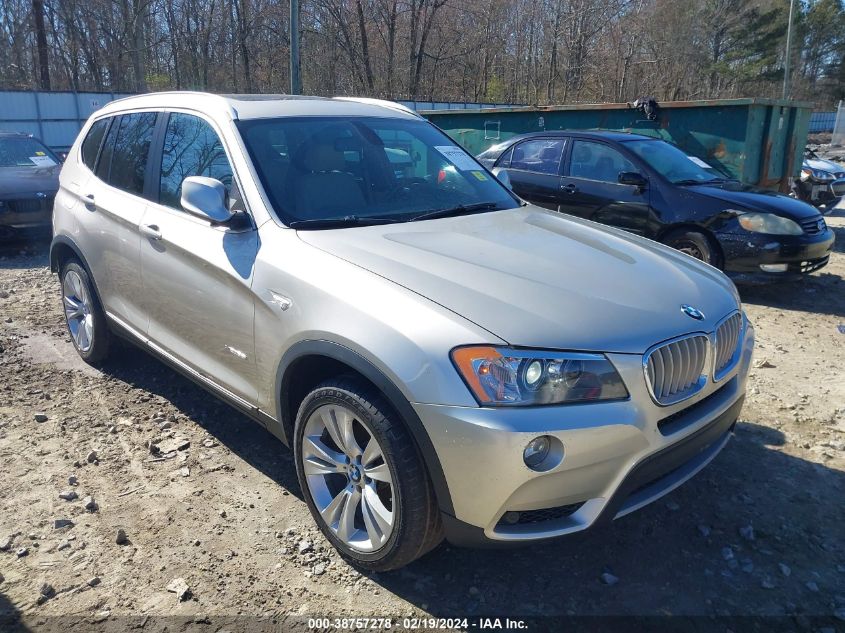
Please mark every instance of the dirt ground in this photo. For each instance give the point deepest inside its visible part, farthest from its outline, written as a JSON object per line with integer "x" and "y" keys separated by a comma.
{"x": 758, "y": 533}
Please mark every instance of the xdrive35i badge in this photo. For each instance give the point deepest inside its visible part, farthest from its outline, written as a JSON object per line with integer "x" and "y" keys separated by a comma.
{"x": 693, "y": 313}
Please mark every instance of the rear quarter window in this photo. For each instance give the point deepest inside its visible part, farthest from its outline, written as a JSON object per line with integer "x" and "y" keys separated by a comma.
{"x": 92, "y": 142}
{"x": 505, "y": 159}
{"x": 540, "y": 156}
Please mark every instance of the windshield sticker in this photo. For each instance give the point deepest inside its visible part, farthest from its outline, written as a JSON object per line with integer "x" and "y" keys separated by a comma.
{"x": 42, "y": 161}
{"x": 458, "y": 157}
{"x": 479, "y": 175}
{"x": 700, "y": 162}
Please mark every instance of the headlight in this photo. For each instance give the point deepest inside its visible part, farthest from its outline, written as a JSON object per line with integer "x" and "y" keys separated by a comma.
{"x": 818, "y": 174}
{"x": 501, "y": 376}
{"x": 769, "y": 223}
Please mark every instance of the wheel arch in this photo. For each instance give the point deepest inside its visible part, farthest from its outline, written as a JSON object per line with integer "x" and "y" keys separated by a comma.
{"x": 309, "y": 362}
{"x": 60, "y": 249}
{"x": 697, "y": 228}
{"x": 63, "y": 248}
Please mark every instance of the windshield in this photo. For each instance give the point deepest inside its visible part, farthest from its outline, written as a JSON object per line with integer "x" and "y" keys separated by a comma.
{"x": 331, "y": 168}
{"x": 23, "y": 151}
{"x": 673, "y": 164}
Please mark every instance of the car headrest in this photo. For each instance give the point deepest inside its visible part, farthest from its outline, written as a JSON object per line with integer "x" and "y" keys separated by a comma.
{"x": 549, "y": 153}
{"x": 320, "y": 157}
{"x": 582, "y": 153}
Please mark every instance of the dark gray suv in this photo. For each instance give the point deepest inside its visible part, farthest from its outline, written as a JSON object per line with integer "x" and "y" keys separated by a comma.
{"x": 29, "y": 179}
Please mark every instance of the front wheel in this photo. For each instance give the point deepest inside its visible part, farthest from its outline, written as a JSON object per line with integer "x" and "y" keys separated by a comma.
{"x": 362, "y": 477}
{"x": 694, "y": 244}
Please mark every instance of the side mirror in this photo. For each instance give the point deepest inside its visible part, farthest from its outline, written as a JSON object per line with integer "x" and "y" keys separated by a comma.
{"x": 502, "y": 176}
{"x": 205, "y": 198}
{"x": 633, "y": 178}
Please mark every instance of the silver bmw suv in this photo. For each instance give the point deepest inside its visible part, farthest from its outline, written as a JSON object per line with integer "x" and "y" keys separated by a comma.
{"x": 443, "y": 358}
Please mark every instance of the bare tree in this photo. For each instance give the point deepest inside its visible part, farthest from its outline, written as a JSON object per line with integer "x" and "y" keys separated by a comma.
{"x": 517, "y": 51}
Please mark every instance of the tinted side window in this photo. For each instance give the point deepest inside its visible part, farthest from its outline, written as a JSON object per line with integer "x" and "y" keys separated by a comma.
{"x": 104, "y": 164}
{"x": 191, "y": 148}
{"x": 596, "y": 161}
{"x": 132, "y": 146}
{"x": 505, "y": 159}
{"x": 540, "y": 155}
{"x": 92, "y": 142}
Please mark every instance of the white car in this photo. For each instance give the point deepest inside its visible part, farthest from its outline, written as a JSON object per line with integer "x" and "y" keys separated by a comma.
{"x": 443, "y": 358}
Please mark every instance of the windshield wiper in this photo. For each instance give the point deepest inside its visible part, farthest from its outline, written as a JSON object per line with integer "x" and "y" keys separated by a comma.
{"x": 336, "y": 223}
{"x": 458, "y": 210}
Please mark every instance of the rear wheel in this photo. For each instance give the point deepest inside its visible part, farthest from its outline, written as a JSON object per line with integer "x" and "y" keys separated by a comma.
{"x": 694, "y": 244}
{"x": 362, "y": 477}
{"x": 86, "y": 321}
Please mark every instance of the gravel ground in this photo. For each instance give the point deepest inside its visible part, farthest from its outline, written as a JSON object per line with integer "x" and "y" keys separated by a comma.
{"x": 131, "y": 492}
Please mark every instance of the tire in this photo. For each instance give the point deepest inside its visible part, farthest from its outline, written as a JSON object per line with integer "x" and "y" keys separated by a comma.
{"x": 84, "y": 316}
{"x": 797, "y": 191}
{"x": 695, "y": 245}
{"x": 357, "y": 525}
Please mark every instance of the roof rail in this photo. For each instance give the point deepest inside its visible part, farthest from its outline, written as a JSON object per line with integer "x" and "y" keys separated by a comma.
{"x": 223, "y": 100}
{"x": 384, "y": 103}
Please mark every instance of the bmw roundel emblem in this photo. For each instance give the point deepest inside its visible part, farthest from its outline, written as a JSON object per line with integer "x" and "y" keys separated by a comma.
{"x": 693, "y": 313}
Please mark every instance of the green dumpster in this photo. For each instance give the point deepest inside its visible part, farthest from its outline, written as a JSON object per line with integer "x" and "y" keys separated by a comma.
{"x": 758, "y": 141}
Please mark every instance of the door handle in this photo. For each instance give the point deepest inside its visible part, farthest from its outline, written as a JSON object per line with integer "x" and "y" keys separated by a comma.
{"x": 151, "y": 231}
{"x": 89, "y": 201}
{"x": 569, "y": 188}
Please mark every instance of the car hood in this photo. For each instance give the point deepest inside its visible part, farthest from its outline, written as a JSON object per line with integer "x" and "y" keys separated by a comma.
{"x": 535, "y": 278}
{"x": 824, "y": 165}
{"x": 15, "y": 181}
{"x": 747, "y": 197}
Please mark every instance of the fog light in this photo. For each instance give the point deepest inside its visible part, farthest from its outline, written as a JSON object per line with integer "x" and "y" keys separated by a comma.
{"x": 536, "y": 451}
{"x": 511, "y": 518}
{"x": 774, "y": 268}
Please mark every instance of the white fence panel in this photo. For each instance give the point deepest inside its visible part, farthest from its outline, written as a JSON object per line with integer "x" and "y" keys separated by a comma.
{"x": 838, "y": 137}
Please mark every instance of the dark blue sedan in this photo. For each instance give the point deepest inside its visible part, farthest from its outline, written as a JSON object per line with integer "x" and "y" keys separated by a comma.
{"x": 652, "y": 188}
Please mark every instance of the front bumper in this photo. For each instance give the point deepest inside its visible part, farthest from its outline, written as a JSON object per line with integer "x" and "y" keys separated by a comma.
{"x": 746, "y": 252}
{"x": 837, "y": 188}
{"x": 26, "y": 214}
{"x": 616, "y": 457}
{"x": 821, "y": 192}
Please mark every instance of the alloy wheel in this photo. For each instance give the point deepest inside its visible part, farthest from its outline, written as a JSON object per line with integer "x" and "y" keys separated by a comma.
{"x": 77, "y": 303}
{"x": 348, "y": 478}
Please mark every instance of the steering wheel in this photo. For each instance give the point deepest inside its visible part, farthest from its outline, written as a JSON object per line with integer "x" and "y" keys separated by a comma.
{"x": 404, "y": 186}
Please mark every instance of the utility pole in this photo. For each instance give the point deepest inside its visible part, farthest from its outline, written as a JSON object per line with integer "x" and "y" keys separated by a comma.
{"x": 41, "y": 43}
{"x": 786, "y": 65}
{"x": 295, "y": 81}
